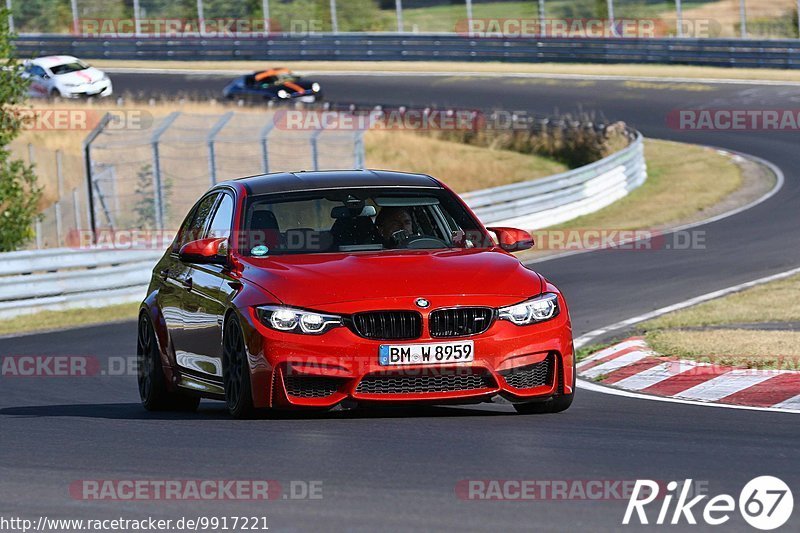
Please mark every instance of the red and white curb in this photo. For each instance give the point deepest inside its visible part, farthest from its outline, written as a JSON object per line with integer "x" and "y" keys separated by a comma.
{"x": 632, "y": 366}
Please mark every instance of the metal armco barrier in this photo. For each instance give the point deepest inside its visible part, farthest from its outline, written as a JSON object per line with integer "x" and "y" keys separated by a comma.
{"x": 423, "y": 47}
{"x": 64, "y": 278}
{"x": 549, "y": 201}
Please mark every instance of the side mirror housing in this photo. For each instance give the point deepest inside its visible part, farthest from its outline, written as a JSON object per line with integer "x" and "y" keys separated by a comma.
{"x": 210, "y": 251}
{"x": 512, "y": 239}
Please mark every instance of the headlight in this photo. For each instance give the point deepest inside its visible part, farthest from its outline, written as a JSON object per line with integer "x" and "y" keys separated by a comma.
{"x": 283, "y": 94}
{"x": 543, "y": 307}
{"x": 297, "y": 320}
{"x": 315, "y": 87}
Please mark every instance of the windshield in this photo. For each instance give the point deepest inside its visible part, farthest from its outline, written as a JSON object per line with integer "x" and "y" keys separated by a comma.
{"x": 355, "y": 220}
{"x": 66, "y": 68}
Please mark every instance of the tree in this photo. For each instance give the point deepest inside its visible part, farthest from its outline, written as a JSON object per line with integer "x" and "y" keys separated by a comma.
{"x": 19, "y": 191}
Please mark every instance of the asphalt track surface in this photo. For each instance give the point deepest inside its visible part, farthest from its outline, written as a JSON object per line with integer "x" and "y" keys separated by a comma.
{"x": 398, "y": 469}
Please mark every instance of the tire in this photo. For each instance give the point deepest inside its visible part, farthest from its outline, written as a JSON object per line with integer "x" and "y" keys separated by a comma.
{"x": 150, "y": 375}
{"x": 556, "y": 404}
{"x": 55, "y": 93}
{"x": 236, "y": 372}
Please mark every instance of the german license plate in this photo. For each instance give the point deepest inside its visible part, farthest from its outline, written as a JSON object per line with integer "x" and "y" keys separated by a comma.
{"x": 426, "y": 354}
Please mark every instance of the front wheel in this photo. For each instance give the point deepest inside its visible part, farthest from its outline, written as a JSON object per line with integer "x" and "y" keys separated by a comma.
{"x": 150, "y": 375}
{"x": 236, "y": 371}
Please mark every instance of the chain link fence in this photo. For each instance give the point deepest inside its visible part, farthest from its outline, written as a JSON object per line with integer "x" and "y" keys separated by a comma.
{"x": 149, "y": 178}
{"x": 64, "y": 195}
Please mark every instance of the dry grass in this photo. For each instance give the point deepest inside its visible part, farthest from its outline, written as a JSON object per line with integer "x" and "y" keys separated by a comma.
{"x": 49, "y": 320}
{"x": 726, "y": 13}
{"x": 663, "y": 72}
{"x": 463, "y": 167}
{"x": 682, "y": 181}
{"x": 736, "y": 347}
{"x": 778, "y": 301}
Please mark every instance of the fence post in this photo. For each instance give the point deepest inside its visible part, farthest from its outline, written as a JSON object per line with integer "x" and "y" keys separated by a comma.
{"x": 75, "y": 17}
{"x": 398, "y": 7}
{"x": 743, "y": 18}
{"x": 158, "y": 193}
{"x": 262, "y": 137}
{"x": 469, "y": 18}
{"x": 38, "y": 230}
{"x": 314, "y": 147}
{"x": 358, "y": 150}
{"x": 76, "y": 206}
{"x": 542, "y": 31}
{"x": 212, "y": 158}
{"x": 10, "y": 16}
{"x": 137, "y": 24}
{"x": 265, "y": 13}
{"x": 611, "y": 20}
{"x": 679, "y": 18}
{"x": 87, "y": 161}
{"x": 334, "y": 18}
{"x": 31, "y": 154}
{"x": 60, "y": 178}
{"x": 201, "y": 18}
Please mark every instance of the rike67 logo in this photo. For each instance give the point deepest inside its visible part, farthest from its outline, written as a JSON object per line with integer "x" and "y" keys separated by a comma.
{"x": 765, "y": 503}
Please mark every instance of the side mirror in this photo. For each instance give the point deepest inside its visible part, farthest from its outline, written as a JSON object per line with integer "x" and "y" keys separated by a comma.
{"x": 211, "y": 251}
{"x": 513, "y": 240}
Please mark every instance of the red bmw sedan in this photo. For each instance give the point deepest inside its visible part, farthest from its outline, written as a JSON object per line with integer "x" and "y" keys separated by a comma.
{"x": 316, "y": 290}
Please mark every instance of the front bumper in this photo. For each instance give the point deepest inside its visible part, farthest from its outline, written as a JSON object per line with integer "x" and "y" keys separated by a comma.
{"x": 519, "y": 364}
{"x": 101, "y": 89}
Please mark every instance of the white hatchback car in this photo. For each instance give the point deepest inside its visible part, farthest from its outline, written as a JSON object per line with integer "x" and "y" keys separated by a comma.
{"x": 65, "y": 76}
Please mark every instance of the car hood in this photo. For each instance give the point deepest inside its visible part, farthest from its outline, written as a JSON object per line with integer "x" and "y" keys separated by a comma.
{"x": 315, "y": 280}
{"x": 89, "y": 75}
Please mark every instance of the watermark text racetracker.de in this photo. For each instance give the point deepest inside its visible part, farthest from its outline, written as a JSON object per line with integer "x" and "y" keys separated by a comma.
{"x": 184, "y": 523}
{"x": 554, "y": 240}
{"x": 141, "y": 490}
{"x": 746, "y": 120}
{"x": 586, "y": 28}
{"x": 80, "y": 119}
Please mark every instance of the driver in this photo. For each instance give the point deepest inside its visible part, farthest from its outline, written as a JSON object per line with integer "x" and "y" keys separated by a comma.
{"x": 394, "y": 224}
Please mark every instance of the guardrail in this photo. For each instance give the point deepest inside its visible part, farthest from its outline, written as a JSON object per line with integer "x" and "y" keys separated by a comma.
{"x": 549, "y": 201}
{"x": 423, "y": 47}
{"x": 64, "y": 278}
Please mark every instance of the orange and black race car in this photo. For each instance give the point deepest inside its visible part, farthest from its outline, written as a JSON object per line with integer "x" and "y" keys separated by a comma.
{"x": 273, "y": 84}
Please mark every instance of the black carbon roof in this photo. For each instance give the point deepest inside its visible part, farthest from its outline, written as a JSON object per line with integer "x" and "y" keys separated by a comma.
{"x": 333, "y": 179}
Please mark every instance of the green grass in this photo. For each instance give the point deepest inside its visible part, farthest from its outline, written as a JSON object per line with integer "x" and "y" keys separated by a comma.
{"x": 48, "y": 320}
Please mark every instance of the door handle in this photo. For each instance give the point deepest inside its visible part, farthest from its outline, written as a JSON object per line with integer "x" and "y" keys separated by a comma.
{"x": 187, "y": 283}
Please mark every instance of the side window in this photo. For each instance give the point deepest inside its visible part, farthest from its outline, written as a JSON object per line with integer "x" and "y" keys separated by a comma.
{"x": 221, "y": 223}
{"x": 195, "y": 224}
